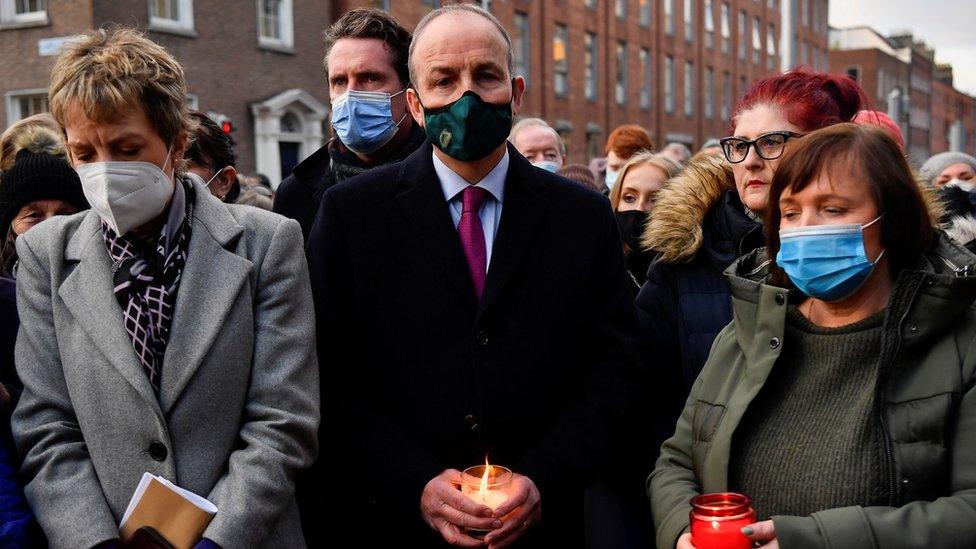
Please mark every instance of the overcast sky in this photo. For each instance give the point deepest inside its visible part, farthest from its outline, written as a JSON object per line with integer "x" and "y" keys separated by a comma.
{"x": 949, "y": 26}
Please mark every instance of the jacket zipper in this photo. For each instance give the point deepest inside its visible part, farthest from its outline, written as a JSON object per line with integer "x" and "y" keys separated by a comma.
{"x": 893, "y": 496}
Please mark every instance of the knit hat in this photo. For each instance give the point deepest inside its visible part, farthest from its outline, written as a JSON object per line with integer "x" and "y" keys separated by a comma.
{"x": 935, "y": 165}
{"x": 37, "y": 176}
{"x": 882, "y": 121}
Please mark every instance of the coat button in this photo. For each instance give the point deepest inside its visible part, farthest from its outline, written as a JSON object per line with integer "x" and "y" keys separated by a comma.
{"x": 157, "y": 451}
{"x": 780, "y": 299}
{"x": 905, "y": 482}
{"x": 774, "y": 343}
{"x": 471, "y": 422}
{"x": 482, "y": 338}
{"x": 913, "y": 328}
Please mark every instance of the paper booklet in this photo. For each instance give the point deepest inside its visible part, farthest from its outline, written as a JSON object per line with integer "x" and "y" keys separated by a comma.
{"x": 178, "y": 515}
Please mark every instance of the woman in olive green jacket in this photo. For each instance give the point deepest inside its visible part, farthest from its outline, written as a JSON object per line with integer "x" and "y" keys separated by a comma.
{"x": 841, "y": 397}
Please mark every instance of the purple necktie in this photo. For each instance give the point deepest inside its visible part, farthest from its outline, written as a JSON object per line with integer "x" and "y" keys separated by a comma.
{"x": 473, "y": 236}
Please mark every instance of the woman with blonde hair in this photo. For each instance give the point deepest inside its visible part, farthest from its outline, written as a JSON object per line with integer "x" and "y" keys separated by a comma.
{"x": 134, "y": 357}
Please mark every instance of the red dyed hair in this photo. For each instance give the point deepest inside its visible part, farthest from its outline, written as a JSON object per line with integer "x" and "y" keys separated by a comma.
{"x": 628, "y": 140}
{"x": 810, "y": 100}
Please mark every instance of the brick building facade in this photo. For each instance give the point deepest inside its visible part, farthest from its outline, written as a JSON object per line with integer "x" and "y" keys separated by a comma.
{"x": 676, "y": 67}
{"x": 901, "y": 77}
{"x": 257, "y": 63}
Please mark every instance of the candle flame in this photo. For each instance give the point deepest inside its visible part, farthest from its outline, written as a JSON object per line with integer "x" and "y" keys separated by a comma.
{"x": 483, "y": 489}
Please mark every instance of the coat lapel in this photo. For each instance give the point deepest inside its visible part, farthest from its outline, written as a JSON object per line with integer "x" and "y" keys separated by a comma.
{"x": 88, "y": 294}
{"x": 211, "y": 281}
{"x": 522, "y": 212}
{"x": 422, "y": 202}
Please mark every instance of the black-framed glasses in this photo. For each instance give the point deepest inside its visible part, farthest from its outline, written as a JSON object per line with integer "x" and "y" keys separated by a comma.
{"x": 769, "y": 146}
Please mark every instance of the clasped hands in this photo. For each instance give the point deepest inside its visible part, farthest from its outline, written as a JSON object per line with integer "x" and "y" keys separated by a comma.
{"x": 446, "y": 509}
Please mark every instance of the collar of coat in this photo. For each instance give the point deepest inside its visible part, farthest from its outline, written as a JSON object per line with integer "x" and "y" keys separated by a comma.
{"x": 925, "y": 301}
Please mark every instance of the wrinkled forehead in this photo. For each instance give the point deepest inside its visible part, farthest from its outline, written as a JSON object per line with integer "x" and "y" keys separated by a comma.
{"x": 458, "y": 40}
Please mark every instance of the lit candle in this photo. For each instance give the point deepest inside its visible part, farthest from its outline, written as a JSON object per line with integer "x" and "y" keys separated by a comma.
{"x": 717, "y": 521}
{"x": 488, "y": 485}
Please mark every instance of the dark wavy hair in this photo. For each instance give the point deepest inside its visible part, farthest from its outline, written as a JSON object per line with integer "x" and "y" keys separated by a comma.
{"x": 372, "y": 23}
{"x": 867, "y": 152}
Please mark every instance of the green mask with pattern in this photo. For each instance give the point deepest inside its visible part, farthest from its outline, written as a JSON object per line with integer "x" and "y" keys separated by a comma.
{"x": 469, "y": 128}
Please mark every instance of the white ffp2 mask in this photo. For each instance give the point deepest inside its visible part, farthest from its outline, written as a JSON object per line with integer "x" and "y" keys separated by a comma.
{"x": 127, "y": 194}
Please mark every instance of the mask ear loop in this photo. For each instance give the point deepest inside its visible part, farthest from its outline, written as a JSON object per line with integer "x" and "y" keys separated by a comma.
{"x": 876, "y": 261}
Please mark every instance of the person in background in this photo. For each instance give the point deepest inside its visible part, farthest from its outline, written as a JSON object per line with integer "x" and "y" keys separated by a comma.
{"x": 623, "y": 143}
{"x": 710, "y": 214}
{"x": 952, "y": 176}
{"x": 581, "y": 174}
{"x": 366, "y": 68}
{"x": 841, "y": 397}
{"x": 538, "y": 143}
{"x": 641, "y": 178}
{"x": 456, "y": 319}
{"x": 679, "y": 152}
{"x": 210, "y": 156}
{"x": 162, "y": 331}
{"x": 883, "y": 121}
{"x": 711, "y": 146}
{"x": 12, "y": 137}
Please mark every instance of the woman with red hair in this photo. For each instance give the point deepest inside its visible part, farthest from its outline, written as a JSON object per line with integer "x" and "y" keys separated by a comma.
{"x": 710, "y": 214}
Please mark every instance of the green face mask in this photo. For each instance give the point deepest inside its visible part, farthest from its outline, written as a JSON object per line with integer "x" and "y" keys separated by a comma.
{"x": 469, "y": 128}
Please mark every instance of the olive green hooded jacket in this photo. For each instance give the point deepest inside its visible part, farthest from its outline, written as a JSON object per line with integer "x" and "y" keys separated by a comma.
{"x": 928, "y": 359}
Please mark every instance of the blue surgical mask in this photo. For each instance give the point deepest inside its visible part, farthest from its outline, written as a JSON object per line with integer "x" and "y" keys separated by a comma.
{"x": 827, "y": 262}
{"x": 611, "y": 178}
{"x": 548, "y": 165}
{"x": 363, "y": 120}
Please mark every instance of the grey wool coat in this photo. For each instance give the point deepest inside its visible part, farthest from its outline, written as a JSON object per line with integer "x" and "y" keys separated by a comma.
{"x": 238, "y": 408}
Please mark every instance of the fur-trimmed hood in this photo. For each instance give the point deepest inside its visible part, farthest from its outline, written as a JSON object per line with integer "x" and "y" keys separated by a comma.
{"x": 675, "y": 226}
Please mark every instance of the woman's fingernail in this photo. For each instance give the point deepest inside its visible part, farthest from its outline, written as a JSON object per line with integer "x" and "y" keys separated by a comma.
{"x": 748, "y": 531}
{"x": 487, "y": 512}
{"x": 496, "y": 524}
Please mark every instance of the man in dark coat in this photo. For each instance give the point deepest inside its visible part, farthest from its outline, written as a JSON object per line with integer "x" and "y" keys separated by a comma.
{"x": 469, "y": 305}
{"x": 365, "y": 51}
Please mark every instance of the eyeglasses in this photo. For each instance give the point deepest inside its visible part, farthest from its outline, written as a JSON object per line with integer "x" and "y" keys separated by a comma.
{"x": 769, "y": 146}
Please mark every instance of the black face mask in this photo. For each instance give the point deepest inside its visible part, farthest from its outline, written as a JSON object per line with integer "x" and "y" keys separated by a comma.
{"x": 631, "y": 224}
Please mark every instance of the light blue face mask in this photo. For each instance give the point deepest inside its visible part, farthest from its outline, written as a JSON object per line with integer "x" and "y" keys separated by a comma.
{"x": 363, "y": 120}
{"x": 548, "y": 165}
{"x": 611, "y": 178}
{"x": 827, "y": 262}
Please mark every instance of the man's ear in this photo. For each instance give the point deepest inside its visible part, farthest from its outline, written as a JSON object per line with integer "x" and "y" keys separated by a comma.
{"x": 518, "y": 91}
{"x": 416, "y": 109}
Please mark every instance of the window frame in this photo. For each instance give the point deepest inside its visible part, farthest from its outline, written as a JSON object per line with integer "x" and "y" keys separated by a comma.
{"x": 525, "y": 37}
{"x": 621, "y": 87}
{"x": 709, "y": 93}
{"x": 647, "y": 78}
{"x": 560, "y": 31}
{"x": 591, "y": 74}
{"x": 689, "y": 85}
{"x": 669, "y": 82}
{"x": 12, "y": 100}
{"x": 10, "y": 18}
{"x": 286, "y": 21}
{"x": 183, "y": 24}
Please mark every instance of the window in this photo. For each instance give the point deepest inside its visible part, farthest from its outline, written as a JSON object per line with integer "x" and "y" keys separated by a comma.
{"x": 743, "y": 34}
{"x": 854, "y": 72}
{"x": 646, "y": 76}
{"x": 756, "y": 40}
{"x": 816, "y": 16}
{"x": 23, "y": 12}
{"x": 804, "y": 12}
{"x": 645, "y": 12}
{"x": 620, "y": 90}
{"x": 709, "y": 93}
{"x": 24, "y": 103}
{"x": 726, "y": 33}
{"x": 771, "y": 4}
{"x": 591, "y": 4}
{"x": 171, "y": 15}
{"x": 560, "y": 58}
{"x": 669, "y": 17}
{"x": 620, "y": 9}
{"x": 689, "y": 88}
{"x": 430, "y": 5}
{"x": 771, "y": 46}
{"x": 689, "y": 15}
{"x": 709, "y": 25}
{"x": 589, "y": 66}
{"x": 804, "y": 53}
{"x": 520, "y": 45}
{"x": 382, "y": 5}
{"x": 275, "y": 24}
{"x": 742, "y": 85}
{"x": 726, "y": 96}
{"x": 669, "y": 84}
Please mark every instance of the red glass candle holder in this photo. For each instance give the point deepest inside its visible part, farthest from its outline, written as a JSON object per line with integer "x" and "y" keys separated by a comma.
{"x": 717, "y": 521}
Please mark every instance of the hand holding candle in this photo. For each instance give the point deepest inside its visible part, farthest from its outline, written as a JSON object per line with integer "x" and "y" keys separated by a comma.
{"x": 717, "y": 521}
{"x": 448, "y": 511}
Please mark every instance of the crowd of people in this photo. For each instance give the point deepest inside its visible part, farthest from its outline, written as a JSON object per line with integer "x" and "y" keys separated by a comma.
{"x": 785, "y": 314}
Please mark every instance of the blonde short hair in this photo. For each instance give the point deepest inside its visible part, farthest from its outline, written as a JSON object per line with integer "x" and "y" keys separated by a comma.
{"x": 108, "y": 71}
{"x": 665, "y": 164}
{"x": 39, "y": 133}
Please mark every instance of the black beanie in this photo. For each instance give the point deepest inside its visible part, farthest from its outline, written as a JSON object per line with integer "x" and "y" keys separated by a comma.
{"x": 37, "y": 176}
